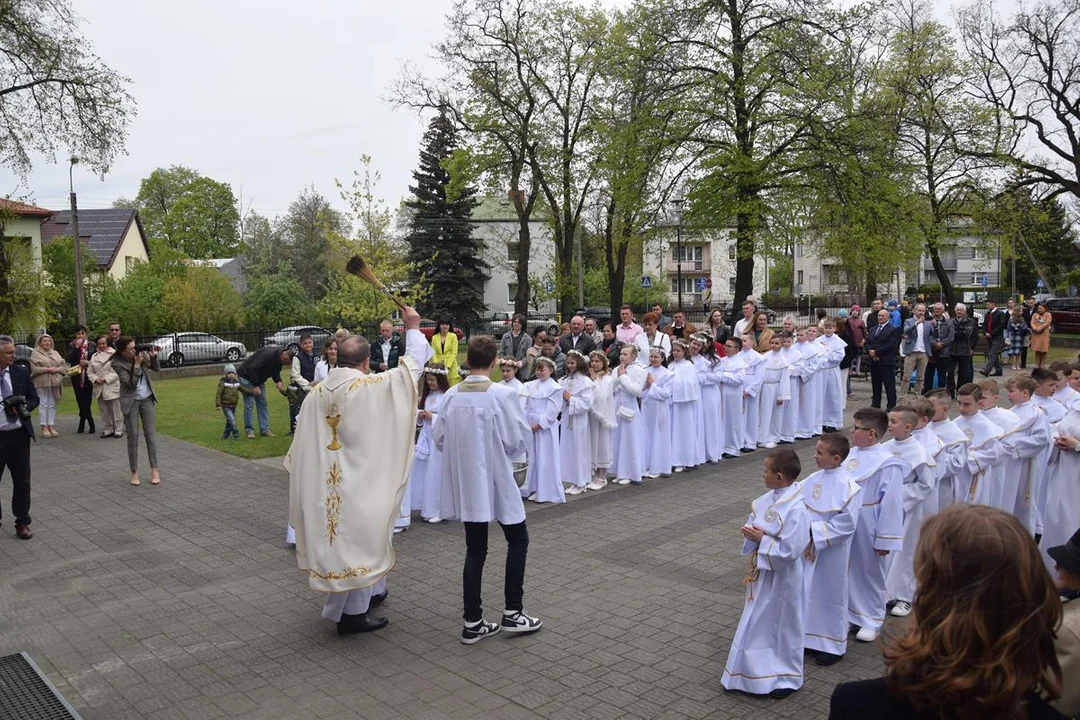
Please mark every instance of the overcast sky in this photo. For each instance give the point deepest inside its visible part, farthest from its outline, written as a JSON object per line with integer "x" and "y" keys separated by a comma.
{"x": 268, "y": 95}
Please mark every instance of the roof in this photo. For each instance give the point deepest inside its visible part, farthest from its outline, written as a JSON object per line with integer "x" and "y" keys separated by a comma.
{"x": 18, "y": 208}
{"x": 499, "y": 209}
{"x": 232, "y": 268}
{"x": 101, "y": 231}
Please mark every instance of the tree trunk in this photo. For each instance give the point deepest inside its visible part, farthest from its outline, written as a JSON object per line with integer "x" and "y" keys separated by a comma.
{"x": 871, "y": 291}
{"x": 947, "y": 288}
{"x": 744, "y": 262}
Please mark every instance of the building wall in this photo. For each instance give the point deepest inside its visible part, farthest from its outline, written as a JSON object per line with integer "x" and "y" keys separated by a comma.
{"x": 132, "y": 249}
{"x": 819, "y": 274}
{"x": 30, "y": 228}
{"x": 706, "y": 254}
{"x": 966, "y": 259}
{"x": 498, "y": 237}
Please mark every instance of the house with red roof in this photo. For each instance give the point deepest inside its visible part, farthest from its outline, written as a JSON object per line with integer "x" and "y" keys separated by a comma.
{"x": 113, "y": 239}
{"x": 21, "y": 230}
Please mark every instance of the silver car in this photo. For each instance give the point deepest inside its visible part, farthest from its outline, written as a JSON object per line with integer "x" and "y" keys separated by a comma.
{"x": 289, "y": 338}
{"x": 188, "y": 348}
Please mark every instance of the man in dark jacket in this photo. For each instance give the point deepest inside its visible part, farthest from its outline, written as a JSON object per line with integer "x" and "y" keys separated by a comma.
{"x": 577, "y": 338}
{"x": 19, "y": 398}
{"x": 941, "y": 339}
{"x": 994, "y": 329}
{"x": 965, "y": 336}
{"x": 387, "y": 350}
{"x": 262, "y": 365}
{"x": 881, "y": 346}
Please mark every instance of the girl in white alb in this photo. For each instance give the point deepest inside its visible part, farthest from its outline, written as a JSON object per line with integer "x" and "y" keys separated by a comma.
{"x": 656, "y": 414}
{"x": 601, "y": 418}
{"x": 687, "y": 436}
{"x": 510, "y": 368}
{"x": 423, "y": 492}
{"x": 542, "y": 406}
{"x": 574, "y": 447}
{"x": 628, "y": 440}
{"x": 775, "y": 390}
{"x": 703, "y": 355}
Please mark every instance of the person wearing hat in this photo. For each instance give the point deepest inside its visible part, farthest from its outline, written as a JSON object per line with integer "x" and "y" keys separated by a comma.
{"x": 1067, "y": 641}
{"x": 228, "y": 397}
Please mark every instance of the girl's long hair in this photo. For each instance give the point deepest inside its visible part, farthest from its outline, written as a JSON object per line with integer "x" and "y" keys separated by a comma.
{"x": 442, "y": 380}
{"x": 983, "y": 621}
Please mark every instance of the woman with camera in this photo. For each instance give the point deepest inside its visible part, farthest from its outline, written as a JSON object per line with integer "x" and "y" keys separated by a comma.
{"x": 48, "y": 370}
{"x": 137, "y": 400}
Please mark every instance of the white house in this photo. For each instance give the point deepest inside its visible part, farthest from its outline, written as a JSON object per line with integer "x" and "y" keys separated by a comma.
{"x": 967, "y": 257}
{"x": 22, "y": 230}
{"x": 495, "y": 223}
{"x": 817, "y": 273}
{"x": 114, "y": 237}
{"x": 705, "y": 261}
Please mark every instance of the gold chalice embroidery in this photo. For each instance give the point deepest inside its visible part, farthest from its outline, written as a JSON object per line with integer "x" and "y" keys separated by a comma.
{"x": 332, "y": 419}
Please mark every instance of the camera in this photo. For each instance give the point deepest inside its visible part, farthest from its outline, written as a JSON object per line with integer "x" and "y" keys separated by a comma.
{"x": 146, "y": 347}
{"x": 15, "y": 406}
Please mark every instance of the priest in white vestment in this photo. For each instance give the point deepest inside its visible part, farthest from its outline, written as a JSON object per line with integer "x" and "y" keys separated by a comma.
{"x": 347, "y": 475}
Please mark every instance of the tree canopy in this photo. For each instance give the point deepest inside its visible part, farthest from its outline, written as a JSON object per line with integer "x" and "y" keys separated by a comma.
{"x": 192, "y": 213}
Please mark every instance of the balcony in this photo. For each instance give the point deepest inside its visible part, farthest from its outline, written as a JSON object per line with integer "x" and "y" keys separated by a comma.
{"x": 948, "y": 262}
{"x": 689, "y": 267}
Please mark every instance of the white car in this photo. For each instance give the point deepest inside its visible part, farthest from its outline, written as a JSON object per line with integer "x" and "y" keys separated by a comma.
{"x": 188, "y": 348}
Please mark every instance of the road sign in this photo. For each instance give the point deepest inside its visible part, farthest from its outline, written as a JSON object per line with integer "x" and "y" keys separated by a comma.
{"x": 549, "y": 286}
{"x": 984, "y": 281}
{"x": 701, "y": 284}
{"x": 1040, "y": 284}
{"x": 708, "y": 283}
{"x": 646, "y": 282}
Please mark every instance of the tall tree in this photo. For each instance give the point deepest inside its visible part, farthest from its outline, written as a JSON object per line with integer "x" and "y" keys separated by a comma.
{"x": 441, "y": 246}
{"x": 307, "y": 228}
{"x": 1028, "y": 71}
{"x": 54, "y": 92}
{"x": 190, "y": 212}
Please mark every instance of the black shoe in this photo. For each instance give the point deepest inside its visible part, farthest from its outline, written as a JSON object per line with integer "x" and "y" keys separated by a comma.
{"x": 289, "y": 546}
{"x": 377, "y": 600}
{"x": 997, "y": 374}
{"x": 825, "y": 659}
{"x": 746, "y": 450}
{"x": 984, "y": 373}
{"x": 92, "y": 429}
{"x": 82, "y": 426}
{"x": 829, "y": 429}
{"x": 107, "y": 435}
{"x": 728, "y": 456}
{"x": 781, "y": 693}
{"x": 350, "y": 624}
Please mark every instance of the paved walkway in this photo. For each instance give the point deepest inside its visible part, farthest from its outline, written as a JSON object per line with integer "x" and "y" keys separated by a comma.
{"x": 178, "y": 601}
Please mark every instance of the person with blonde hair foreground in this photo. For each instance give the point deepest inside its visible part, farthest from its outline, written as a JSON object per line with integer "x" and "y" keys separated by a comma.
{"x": 980, "y": 645}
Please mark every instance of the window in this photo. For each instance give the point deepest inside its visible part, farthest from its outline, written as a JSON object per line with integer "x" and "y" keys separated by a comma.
{"x": 836, "y": 275}
{"x": 511, "y": 292}
{"x": 689, "y": 285}
{"x": 798, "y": 277}
{"x": 690, "y": 253}
{"x": 979, "y": 254}
{"x": 731, "y": 285}
{"x": 731, "y": 251}
{"x": 512, "y": 252}
{"x": 129, "y": 263}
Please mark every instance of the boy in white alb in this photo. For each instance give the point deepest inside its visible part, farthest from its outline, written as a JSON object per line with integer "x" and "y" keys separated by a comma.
{"x": 817, "y": 380}
{"x": 792, "y": 355}
{"x": 766, "y": 655}
{"x": 834, "y": 396}
{"x": 1065, "y": 394}
{"x": 1026, "y": 452}
{"x": 799, "y": 415}
{"x": 880, "y": 531}
{"x": 973, "y": 476}
{"x": 955, "y": 442}
{"x": 775, "y": 391}
{"x": 1045, "y": 387}
{"x": 481, "y": 429}
{"x": 1007, "y": 477}
{"x": 752, "y": 360}
{"x": 920, "y": 502}
{"x": 834, "y": 501}
{"x": 732, "y": 374}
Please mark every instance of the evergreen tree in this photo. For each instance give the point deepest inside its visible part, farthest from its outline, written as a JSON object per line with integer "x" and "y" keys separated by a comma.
{"x": 443, "y": 254}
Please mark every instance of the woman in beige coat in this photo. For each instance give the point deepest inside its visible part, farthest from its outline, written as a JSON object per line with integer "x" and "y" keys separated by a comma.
{"x": 48, "y": 370}
{"x": 106, "y": 389}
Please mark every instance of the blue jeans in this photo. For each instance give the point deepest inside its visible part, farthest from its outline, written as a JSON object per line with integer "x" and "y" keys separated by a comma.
{"x": 258, "y": 401}
{"x": 230, "y": 422}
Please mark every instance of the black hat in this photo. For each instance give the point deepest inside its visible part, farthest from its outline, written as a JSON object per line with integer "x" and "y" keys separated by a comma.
{"x": 1067, "y": 556}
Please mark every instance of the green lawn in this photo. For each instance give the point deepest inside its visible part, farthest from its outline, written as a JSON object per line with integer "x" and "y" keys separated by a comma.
{"x": 186, "y": 411}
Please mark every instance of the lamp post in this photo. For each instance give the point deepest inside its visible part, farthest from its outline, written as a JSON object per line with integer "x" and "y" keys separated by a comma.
{"x": 80, "y": 302}
{"x": 678, "y": 202}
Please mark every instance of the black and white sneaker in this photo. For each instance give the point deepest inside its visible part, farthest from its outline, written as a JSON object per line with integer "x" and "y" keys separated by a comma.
{"x": 516, "y": 621}
{"x": 473, "y": 633}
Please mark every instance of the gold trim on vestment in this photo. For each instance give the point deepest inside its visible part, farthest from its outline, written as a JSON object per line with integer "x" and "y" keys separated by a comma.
{"x": 350, "y": 572}
{"x": 827, "y": 637}
{"x": 868, "y": 617}
{"x": 333, "y": 501}
{"x": 367, "y": 380}
{"x": 761, "y": 677}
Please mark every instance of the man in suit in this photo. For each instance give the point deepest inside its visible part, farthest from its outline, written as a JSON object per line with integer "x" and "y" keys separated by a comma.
{"x": 994, "y": 330}
{"x": 386, "y": 352}
{"x": 965, "y": 335}
{"x": 917, "y": 348}
{"x": 577, "y": 338}
{"x": 679, "y": 328}
{"x": 941, "y": 339}
{"x": 16, "y": 433}
{"x": 881, "y": 346}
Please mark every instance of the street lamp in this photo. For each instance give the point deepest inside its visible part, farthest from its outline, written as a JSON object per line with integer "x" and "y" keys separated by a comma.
{"x": 80, "y": 302}
{"x": 678, "y": 203}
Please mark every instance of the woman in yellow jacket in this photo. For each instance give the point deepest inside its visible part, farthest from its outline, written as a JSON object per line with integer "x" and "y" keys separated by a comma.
{"x": 445, "y": 344}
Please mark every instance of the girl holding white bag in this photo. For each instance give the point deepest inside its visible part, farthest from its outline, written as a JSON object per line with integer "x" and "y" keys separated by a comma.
{"x": 628, "y": 446}
{"x": 601, "y": 418}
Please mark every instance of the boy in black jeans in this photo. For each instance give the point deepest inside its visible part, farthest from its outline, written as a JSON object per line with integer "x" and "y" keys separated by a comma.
{"x": 480, "y": 429}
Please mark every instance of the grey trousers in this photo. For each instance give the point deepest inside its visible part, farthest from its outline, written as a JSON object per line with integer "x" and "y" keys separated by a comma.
{"x": 112, "y": 420}
{"x": 140, "y": 409}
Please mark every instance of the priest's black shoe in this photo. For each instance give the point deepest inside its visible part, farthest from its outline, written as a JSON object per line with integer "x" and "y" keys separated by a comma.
{"x": 367, "y": 622}
{"x": 746, "y": 450}
{"x": 377, "y": 600}
{"x": 826, "y": 659}
{"x": 728, "y": 456}
{"x": 781, "y": 693}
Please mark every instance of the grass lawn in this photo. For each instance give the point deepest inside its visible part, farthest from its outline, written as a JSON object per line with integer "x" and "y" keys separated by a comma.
{"x": 186, "y": 411}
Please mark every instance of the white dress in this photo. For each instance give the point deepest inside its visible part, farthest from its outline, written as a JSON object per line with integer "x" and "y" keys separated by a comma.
{"x": 973, "y": 474}
{"x": 1055, "y": 413}
{"x": 775, "y": 386}
{"x": 542, "y": 408}
{"x": 752, "y": 361}
{"x": 834, "y": 396}
{"x": 1028, "y": 450}
{"x": 834, "y": 501}
{"x": 956, "y": 449}
{"x": 602, "y": 421}
{"x": 628, "y": 443}
{"x": 920, "y": 502}
{"x": 644, "y": 345}
{"x": 575, "y": 449}
{"x": 767, "y": 651}
{"x": 881, "y": 527}
{"x": 732, "y": 374}
{"x": 1009, "y": 476}
{"x": 424, "y": 491}
{"x": 798, "y": 424}
{"x": 712, "y": 419}
{"x": 656, "y": 415}
{"x": 1062, "y": 513}
{"x": 687, "y": 435}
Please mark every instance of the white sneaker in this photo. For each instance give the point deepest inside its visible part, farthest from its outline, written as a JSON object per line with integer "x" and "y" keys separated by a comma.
{"x": 534, "y": 497}
{"x": 679, "y": 469}
{"x": 475, "y": 632}
{"x": 622, "y": 481}
{"x": 435, "y": 519}
{"x": 598, "y": 484}
{"x": 399, "y": 530}
{"x": 770, "y": 445}
{"x": 651, "y": 476}
{"x": 517, "y": 621}
{"x": 902, "y": 608}
{"x": 575, "y": 490}
{"x": 866, "y": 635}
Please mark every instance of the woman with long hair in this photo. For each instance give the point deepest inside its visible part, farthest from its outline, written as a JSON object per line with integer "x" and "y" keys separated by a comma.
{"x": 80, "y": 350}
{"x": 1041, "y": 321}
{"x": 574, "y": 446}
{"x": 423, "y": 492}
{"x": 137, "y": 402}
{"x": 762, "y": 332}
{"x": 445, "y": 344}
{"x": 716, "y": 328}
{"x": 980, "y": 644}
{"x": 1017, "y": 331}
{"x": 47, "y": 369}
{"x": 328, "y": 361}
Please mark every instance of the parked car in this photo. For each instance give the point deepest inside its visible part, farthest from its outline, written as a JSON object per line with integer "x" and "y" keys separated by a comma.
{"x": 1066, "y": 312}
{"x": 770, "y": 314}
{"x": 189, "y": 348}
{"x": 289, "y": 337}
{"x": 498, "y": 324}
{"x": 599, "y": 313}
{"x": 22, "y": 355}
{"x": 428, "y": 327}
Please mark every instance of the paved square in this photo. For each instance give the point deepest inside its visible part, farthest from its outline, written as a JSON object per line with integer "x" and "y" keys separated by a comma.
{"x": 178, "y": 601}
